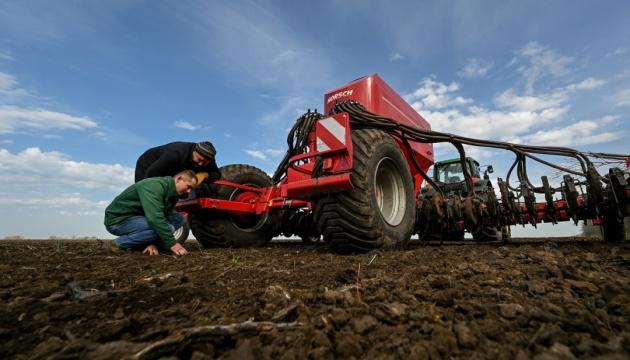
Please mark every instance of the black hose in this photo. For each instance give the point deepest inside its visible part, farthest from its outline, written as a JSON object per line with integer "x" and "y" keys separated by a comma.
{"x": 362, "y": 118}
{"x": 297, "y": 141}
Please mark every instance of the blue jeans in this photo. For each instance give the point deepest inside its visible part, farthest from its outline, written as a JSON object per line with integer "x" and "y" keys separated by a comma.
{"x": 135, "y": 233}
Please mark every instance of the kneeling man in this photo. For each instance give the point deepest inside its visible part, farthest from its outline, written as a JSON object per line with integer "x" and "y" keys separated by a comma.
{"x": 143, "y": 215}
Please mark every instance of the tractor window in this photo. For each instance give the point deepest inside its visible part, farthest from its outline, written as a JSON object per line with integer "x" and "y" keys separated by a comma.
{"x": 450, "y": 173}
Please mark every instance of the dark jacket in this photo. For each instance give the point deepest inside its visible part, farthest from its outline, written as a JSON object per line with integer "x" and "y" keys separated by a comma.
{"x": 169, "y": 159}
{"x": 152, "y": 198}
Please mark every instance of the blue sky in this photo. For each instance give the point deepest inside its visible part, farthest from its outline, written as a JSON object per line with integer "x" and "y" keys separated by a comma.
{"x": 87, "y": 86}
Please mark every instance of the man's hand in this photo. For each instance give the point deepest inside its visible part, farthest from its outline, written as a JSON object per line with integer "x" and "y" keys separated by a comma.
{"x": 151, "y": 250}
{"x": 179, "y": 250}
{"x": 201, "y": 177}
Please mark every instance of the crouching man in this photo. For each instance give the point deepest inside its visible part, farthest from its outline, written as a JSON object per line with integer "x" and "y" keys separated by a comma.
{"x": 143, "y": 215}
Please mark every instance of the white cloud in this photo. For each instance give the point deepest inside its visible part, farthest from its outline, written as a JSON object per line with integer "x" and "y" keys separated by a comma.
{"x": 445, "y": 151}
{"x": 257, "y": 154}
{"x": 396, "y": 57}
{"x": 288, "y": 110}
{"x": 436, "y": 95}
{"x": 6, "y": 57}
{"x": 534, "y": 102}
{"x": 623, "y": 98}
{"x": 39, "y": 187}
{"x": 517, "y": 118}
{"x": 478, "y": 152}
{"x": 475, "y": 68}
{"x": 275, "y": 152}
{"x": 510, "y": 100}
{"x": 480, "y": 122}
{"x": 14, "y": 118}
{"x": 99, "y": 135}
{"x": 285, "y": 57}
{"x": 73, "y": 199}
{"x": 619, "y": 51}
{"x": 448, "y": 112}
{"x": 186, "y": 125}
{"x": 537, "y": 61}
{"x": 265, "y": 154}
{"x": 73, "y": 213}
{"x": 42, "y": 170}
{"x": 7, "y": 82}
{"x": 580, "y": 133}
{"x": 9, "y": 89}
{"x": 587, "y": 84}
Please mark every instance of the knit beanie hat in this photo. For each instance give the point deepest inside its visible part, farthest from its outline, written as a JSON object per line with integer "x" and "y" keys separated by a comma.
{"x": 206, "y": 149}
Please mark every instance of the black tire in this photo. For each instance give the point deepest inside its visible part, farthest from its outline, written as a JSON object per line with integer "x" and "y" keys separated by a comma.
{"x": 181, "y": 234}
{"x": 355, "y": 220}
{"x": 456, "y": 235}
{"x": 310, "y": 239}
{"x": 613, "y": 228}
{"x": 222, "y": 228}
{"x": 486, "y": 233}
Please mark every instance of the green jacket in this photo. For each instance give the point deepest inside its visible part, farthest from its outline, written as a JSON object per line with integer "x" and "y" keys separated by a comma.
{"x": 154, "y": 198}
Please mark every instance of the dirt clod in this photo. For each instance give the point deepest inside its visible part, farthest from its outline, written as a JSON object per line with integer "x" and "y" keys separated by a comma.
{"x": 465, "y": 337}
{"x": 364, "y": 324}
{"x": 510, "y": 311}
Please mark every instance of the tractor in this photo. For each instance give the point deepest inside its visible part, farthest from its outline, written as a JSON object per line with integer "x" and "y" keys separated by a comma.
{"x": 354, "y": 174}
{"x": 449, "y": 175}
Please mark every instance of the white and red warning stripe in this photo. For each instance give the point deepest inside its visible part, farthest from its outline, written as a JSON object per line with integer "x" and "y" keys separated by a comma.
{"x": 331, "y": 134}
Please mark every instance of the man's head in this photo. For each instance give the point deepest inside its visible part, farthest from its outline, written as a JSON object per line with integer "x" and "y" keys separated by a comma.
{"x": 185, "y": 181}
{"x": 203, "y": 153}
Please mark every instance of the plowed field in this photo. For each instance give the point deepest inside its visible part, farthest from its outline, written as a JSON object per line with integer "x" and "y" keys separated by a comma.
{"x": 546, "y": 299}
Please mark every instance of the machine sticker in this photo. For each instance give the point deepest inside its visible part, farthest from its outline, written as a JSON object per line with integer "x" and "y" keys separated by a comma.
{"x": 339, "y": 95}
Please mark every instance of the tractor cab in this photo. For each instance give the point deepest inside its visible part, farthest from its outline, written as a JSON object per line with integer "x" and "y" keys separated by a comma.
{"x": 451, "y": 171}
{"x": 450, "y": 174}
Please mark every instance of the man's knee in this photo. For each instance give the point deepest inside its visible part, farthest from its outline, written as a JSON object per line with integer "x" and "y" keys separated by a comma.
{"x": 122, "y": 243}
{"x": 137, "y": 240}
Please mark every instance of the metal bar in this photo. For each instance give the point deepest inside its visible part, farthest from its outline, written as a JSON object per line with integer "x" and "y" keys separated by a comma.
{"x": 239, "y": 186}
{"x": 216, "y": 204}
{"x": 319, "y": 185}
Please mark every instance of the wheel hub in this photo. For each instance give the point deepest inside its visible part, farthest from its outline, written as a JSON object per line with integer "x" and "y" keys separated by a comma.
{"x": 246, "y": 221}
{"x": 389, "y": 191}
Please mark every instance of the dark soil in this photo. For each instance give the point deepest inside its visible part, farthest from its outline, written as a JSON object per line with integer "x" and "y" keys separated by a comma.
{"x": 542, "y": 300}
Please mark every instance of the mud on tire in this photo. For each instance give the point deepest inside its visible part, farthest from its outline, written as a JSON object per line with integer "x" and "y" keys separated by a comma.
{"x": 222, "y": 228}
{"x": 484, "y": 232}
{"x": 380, "y": 209}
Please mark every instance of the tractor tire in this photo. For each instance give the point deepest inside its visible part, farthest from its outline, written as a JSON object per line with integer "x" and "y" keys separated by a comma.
{"x": 222, "y": 228}
{"x": 485, "y": 233}
{"x": 613, "y": 228}
{"x": 310, "y": 239}
{"x": 380, "y": 209}
{"x": 181, "y": 234}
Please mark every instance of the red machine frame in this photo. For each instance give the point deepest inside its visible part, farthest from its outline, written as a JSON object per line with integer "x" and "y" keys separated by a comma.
{"x": 330, "y": 151}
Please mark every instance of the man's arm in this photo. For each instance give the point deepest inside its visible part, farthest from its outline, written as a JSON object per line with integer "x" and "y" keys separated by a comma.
{"x": 151, "y": 198}
{"x": 213, "y": 171}
{"x": 163, "y": 166}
